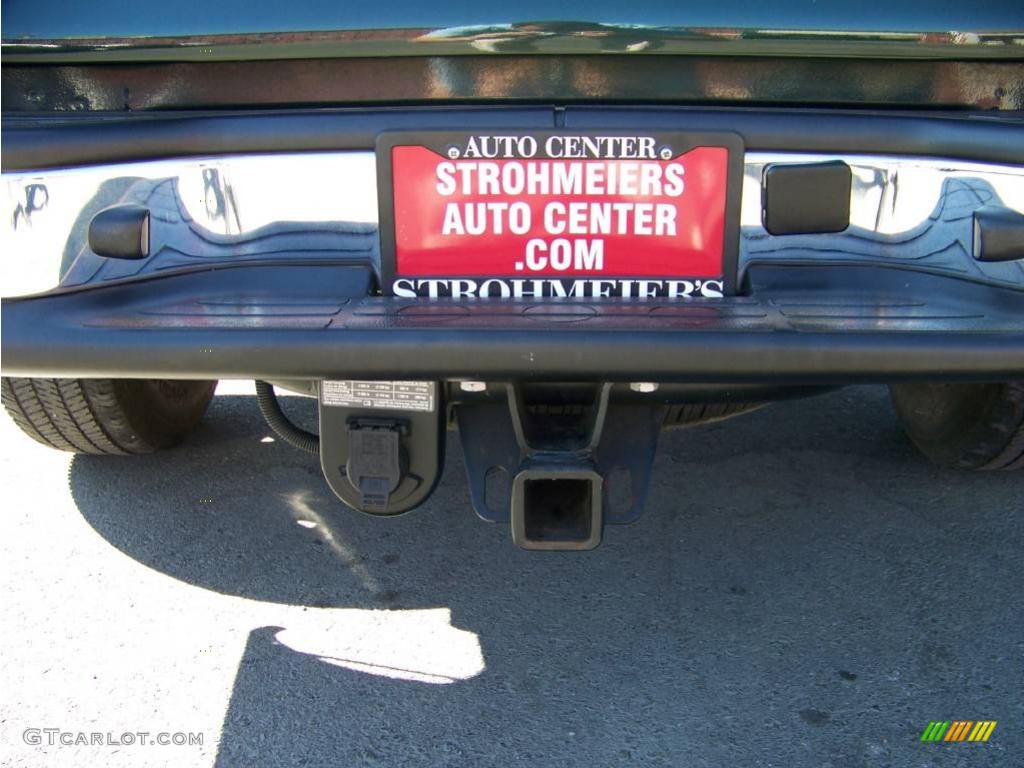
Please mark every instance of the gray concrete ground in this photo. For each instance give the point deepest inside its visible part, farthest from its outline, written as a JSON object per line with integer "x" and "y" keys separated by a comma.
{"x": 803, "y": 591}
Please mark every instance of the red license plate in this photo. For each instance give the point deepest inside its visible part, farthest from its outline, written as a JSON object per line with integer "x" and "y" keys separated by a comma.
{"x": 559, "y": 214}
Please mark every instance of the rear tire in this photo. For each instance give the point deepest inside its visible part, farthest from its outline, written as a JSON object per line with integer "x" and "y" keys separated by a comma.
{"x": 106, "y": 416}
{"x": 967, "y": 426}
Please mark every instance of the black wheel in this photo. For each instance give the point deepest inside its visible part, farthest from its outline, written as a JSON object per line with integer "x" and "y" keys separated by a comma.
{"x": 969, "y": 426}
{"x": 106, "y": 416}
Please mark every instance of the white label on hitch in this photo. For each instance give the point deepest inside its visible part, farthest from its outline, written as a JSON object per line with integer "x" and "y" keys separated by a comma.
{"x": 379, "y": 395}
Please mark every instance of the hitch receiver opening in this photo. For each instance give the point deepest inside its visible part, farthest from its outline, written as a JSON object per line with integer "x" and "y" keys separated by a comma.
{"x": 557, "y": 509}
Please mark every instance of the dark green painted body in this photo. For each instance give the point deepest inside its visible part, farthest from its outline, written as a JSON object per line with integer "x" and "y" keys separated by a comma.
{"x": 66, "y": 55}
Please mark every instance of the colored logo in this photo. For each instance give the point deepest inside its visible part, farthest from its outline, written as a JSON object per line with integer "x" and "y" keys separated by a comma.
{"x": 958, "y": 730}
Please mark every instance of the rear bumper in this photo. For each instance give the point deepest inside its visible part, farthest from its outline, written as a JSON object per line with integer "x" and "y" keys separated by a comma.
{"x": 795, "y": 324}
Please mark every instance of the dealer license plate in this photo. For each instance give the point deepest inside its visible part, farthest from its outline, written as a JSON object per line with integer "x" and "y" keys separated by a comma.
{"x": 559, "y": 214}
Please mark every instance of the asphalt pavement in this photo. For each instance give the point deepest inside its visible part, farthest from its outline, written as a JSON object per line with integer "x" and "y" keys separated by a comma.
{"x": 804, "y": 590}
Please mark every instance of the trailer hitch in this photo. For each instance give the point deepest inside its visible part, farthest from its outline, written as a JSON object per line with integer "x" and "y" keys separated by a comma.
{"x": 556, "y": 464}
{"x": 557, "y": 473}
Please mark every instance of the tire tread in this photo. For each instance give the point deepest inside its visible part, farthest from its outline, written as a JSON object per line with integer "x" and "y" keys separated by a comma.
{"x": 77, "y": 415}
{"x": 963, "y": 430}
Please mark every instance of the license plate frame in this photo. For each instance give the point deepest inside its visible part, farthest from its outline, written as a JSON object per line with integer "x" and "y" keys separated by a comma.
{"x": 619, "y": 147}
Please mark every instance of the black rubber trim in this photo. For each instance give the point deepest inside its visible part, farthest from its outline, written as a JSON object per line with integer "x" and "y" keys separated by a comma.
{"x": 789, "y": 130}
{"x": 806, "y": 324}
{"x": 35, "y": 142}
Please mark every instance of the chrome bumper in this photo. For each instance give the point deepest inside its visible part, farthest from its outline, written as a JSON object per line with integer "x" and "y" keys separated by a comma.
{"x": 323, "y": 205}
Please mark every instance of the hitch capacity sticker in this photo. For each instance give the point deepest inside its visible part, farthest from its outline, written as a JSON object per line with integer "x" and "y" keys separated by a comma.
{"x": 549, "y": 214}
{"x": 379, "y": 395}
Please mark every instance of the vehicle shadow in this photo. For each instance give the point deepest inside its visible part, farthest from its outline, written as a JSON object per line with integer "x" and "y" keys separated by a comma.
{"x": 781, "y": 585}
